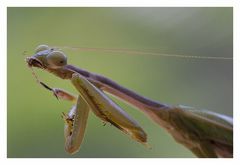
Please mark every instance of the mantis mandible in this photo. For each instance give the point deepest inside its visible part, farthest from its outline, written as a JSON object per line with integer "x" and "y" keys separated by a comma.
{"x": 205, "y": 133}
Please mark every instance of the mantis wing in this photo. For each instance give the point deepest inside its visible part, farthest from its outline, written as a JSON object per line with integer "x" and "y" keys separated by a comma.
{"x": 107, "y": 110}
{"x": 205, "y": 133}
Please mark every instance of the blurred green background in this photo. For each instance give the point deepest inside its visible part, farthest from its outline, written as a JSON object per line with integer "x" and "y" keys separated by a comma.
{"x": 35, "y": 128}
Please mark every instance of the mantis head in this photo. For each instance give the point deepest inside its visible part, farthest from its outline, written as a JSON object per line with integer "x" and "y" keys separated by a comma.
{"x": 46, "y": 57}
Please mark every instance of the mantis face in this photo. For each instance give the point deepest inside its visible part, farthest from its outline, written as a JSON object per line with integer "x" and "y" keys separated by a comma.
{"x": 46, "y": 57}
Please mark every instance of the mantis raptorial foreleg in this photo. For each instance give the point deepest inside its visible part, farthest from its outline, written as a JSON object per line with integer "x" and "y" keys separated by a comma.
{"x": 101, "y": 105}
{"x": 60, "y": 93}
{"x": 75, "y": 125}
{"x": 75, "y": 121}
{"x": 107, "y": 110}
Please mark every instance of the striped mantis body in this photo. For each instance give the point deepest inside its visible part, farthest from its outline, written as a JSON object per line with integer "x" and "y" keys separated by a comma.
{"x": 205, "y": 133}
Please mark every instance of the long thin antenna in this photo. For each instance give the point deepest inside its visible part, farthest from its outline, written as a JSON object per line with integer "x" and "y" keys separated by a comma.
{"x": 140, "y": 52}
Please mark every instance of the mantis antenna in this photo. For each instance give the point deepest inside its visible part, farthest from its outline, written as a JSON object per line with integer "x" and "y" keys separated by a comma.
{"x": 141, "y": 52}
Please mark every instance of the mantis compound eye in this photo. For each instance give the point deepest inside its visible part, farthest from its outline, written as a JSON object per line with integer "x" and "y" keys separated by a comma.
{"x": 41, "y": 48}
{"x": 56, "y": 59}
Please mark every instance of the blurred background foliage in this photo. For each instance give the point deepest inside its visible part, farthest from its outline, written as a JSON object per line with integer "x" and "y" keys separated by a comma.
{"x": 35, "y": 128}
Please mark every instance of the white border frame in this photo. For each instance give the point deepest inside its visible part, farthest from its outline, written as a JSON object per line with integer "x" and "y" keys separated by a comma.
{"x": 116, "y": 3}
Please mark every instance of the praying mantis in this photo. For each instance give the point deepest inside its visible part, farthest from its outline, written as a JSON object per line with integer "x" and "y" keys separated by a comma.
{"x": 205, "y": 133}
